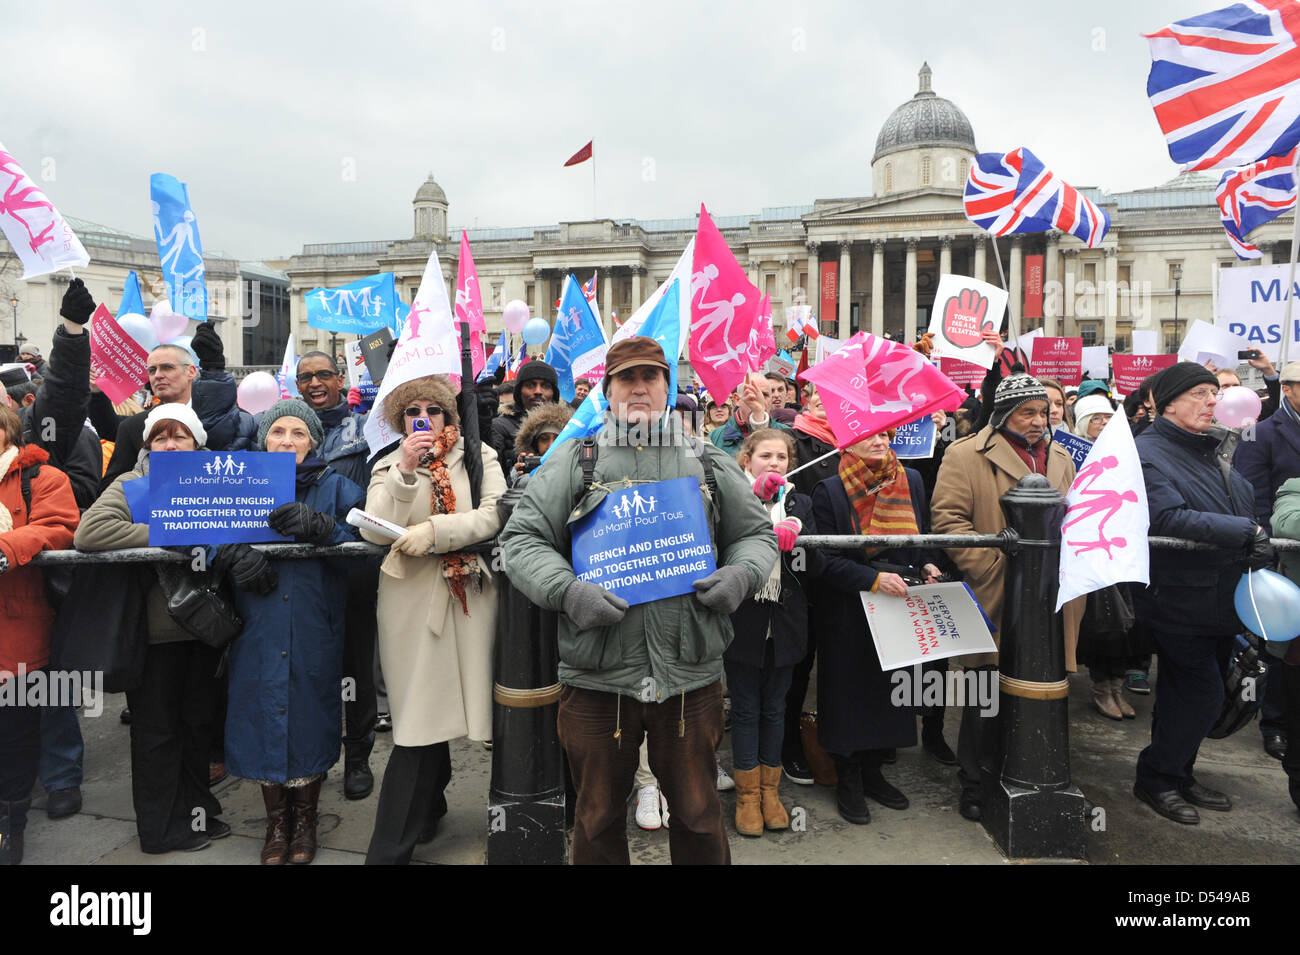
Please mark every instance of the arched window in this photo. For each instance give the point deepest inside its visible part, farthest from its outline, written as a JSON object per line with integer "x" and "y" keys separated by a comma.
{"x": 965, "y": 169}
{"x": 925, "y": 170}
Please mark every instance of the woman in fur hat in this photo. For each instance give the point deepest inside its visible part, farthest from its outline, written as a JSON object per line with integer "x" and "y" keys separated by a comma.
{"x": 437, "y": 608}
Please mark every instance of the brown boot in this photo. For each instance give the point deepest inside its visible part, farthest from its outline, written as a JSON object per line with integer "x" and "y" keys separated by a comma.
{"x": 302, "y": 845}
{"x": 1104, "y": 700}
{"x": 749, "y": 812}
{"x": 278, "y": 815}
{"x": 1117, "y": 691}
{"x": 774, "y": 814}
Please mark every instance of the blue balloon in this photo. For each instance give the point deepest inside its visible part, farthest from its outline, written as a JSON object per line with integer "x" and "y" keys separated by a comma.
{"x": 1278, "y": 601}
{"x": 536, "y": 331}
{"x": 185, "y": 342}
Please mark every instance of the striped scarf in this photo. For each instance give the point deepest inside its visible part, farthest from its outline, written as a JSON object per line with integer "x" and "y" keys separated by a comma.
{"x": 458, "y": 568}
{"x": 881, "y": 497}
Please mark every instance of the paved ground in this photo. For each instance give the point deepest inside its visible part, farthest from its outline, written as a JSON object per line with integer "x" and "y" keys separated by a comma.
{"x": 1264, "y": 828}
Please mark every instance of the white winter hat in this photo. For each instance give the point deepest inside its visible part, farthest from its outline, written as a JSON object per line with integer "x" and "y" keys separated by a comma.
{"x": 175, "y": 411}
{"x": 1088, "y": 406}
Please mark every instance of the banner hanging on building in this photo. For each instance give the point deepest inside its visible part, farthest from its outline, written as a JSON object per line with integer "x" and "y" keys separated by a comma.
{"x": 1033, "y": 286}
{"x": 830, "y": 285}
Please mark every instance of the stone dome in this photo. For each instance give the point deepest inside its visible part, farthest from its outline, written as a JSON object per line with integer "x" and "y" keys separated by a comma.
{"x": 924, "y": 120}
{"x": 430, "y": 191}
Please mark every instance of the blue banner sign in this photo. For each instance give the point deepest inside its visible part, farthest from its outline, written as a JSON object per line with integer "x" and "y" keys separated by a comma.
{"x": 915, "y": 439}
{"x": 646, "y": 542}
{"x": 216, "y": 497}
{"x": 358, "y": 308}
{"x": 1077, "y": 446}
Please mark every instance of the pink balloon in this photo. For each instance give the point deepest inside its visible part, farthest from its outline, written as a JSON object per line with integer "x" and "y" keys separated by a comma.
{"x": 257, "y": 392}
{"x": 167, "y": 323}
{"x": 1238, "y": 406}
{"x": 515, "y": 316}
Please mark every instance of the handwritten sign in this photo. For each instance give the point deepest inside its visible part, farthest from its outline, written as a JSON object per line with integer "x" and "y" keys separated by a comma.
{"x": 646, "y": 542}
{"x": 116, "y": 360}
{"x": 915, "y": 439}
{"x": 932, "y": 622}
{"x": 216, "y": 497}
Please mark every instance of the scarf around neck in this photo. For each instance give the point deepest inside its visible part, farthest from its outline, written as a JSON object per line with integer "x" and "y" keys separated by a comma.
{"x": 881, "y": 496}
{"x": 815, "y": 427}
{"x": 458, "y": 568}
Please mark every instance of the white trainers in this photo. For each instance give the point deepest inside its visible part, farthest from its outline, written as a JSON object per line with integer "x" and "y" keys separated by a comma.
{"x": 725, "y": 782}
{"x": 648, "y": 799}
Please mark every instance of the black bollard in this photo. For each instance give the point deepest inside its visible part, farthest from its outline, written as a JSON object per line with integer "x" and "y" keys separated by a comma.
{"x": 1031, "y": 808}
{"x": 526, "y": 797}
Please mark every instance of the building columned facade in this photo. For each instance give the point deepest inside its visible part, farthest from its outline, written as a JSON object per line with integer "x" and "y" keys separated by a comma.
{"x": 868, "y": 262}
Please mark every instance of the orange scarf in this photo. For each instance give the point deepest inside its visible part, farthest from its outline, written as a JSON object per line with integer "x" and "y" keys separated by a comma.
{"x": 881, "y": 497}
{"x": 457, "y": 568}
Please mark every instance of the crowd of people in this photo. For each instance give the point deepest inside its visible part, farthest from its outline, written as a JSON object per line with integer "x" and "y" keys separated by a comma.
{"x": 249, "y": 684}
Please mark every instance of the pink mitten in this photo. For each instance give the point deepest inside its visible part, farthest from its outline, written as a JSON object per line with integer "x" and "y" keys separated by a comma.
{"x": 786, "y": 532}
{"x": 354, "y": 397}
{"x": 765, "y": 486}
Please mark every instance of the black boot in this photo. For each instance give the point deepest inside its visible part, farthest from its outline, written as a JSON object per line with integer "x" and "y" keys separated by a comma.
{"x": 849, "y": 799}
{"x": 358, "y": 781}
{"x": 874, "y": 783}
{"x": 13, "y": 820}
{"x": 932, "y": 740}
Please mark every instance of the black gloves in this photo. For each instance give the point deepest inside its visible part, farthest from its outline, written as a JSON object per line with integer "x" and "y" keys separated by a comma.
{"x": 1261, "y": 551}
{"x": 207, "y": 346}
{"x": 78, "y": 305}
{"x": 249, "y": 569}
{"x": 300, "y": 522}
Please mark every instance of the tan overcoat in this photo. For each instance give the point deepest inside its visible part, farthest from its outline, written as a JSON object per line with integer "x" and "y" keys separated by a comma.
{"x": 976, "y": 471}
{"x": 437, "y": 661}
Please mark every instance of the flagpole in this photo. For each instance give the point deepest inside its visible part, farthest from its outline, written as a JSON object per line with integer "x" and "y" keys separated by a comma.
{"x": 812, "y": 462}
{"x": 1287, "y": 331}
{"x": 1011, "y": 318}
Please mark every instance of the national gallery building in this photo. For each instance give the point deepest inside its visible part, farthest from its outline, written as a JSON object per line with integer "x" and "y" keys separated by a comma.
{"x": 864, "y": 262}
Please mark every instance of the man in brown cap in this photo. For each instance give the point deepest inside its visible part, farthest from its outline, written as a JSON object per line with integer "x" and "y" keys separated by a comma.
{"x": 651, "y": 669}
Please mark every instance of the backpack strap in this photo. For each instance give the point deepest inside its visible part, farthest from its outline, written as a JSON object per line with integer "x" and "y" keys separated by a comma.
{"x": 25, "y": 480}
{"x": 587, "y": 455}
{"x": 710, "y": 479}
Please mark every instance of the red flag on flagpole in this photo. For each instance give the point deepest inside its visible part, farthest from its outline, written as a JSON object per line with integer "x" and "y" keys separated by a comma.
{"x": 582, "y": 155}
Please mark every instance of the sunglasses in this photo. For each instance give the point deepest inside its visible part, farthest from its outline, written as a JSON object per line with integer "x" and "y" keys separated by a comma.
{"x": 431, "y": 412}
{"x": 325, "y": 377}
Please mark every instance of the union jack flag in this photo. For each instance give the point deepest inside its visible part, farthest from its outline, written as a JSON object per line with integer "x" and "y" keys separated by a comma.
{"x": 1252, "y": 195}
{"x": 589, "y": 288}
{"x": 1015, "y": 193}
{"x": 1225, "y": 85}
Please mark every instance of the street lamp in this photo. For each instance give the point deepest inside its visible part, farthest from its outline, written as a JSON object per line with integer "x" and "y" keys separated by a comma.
{"x": 1178, "y": 290}
{"x": 13, "y": 303}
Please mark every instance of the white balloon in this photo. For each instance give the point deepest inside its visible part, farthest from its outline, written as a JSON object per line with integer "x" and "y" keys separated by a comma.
{"x": 515, "y": 316}
{"x": 140, "y": 329}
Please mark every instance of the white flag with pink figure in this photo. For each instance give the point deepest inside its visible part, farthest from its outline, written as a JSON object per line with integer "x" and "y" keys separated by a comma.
{"x": 429, "y": 345}
{"x": 40, "y": 237}
{"x": 1104, "y": 534}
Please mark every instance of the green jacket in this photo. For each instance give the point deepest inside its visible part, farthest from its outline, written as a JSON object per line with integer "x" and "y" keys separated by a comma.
{"x": 662, "y": 648}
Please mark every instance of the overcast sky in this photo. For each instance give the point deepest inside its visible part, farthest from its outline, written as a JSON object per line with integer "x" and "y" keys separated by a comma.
{"x": 296, "y": 123}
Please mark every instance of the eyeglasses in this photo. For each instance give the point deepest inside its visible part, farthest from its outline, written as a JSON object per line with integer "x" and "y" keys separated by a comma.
{"x": 167, "y": 368}
{"x": 432, "y": 412}
{"x": 325, "y": 377}
{"x": 1203, "y": 394}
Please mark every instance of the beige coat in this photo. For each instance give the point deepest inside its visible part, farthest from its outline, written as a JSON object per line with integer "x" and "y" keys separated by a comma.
{"x": 437, "y": 661}
{"x": 976, "y": 471}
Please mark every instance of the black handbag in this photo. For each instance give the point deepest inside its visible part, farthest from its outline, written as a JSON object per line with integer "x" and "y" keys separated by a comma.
{"x": 101, "y": 626}
{"x": 201, "y": 612}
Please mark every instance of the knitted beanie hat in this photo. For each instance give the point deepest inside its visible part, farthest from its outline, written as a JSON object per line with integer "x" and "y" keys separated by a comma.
{"x": 290, "y": 407}
{"x": 1013, "y": 391}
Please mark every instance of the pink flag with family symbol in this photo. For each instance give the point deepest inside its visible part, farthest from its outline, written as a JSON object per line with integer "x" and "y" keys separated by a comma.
{"x": 39, "y": 236}
{"x": 762, "y": 337}
{"x": 469, "y": 304}
{"x": 724, "y": 307}
{"x": 871, "y": 384}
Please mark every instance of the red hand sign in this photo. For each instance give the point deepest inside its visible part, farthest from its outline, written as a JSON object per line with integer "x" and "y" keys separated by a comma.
{"x": 964, "y": 318}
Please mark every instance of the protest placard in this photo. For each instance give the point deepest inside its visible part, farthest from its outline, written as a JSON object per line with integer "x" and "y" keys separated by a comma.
{"x": 1132, "y": 370}
{"x": 915, "y": 439}
{"x": 1096, "y": 362}
{"x": 216, "y": 497}
{"x": 1217, "y": 343}
{"x": 1251, "y": 307}
{"x": 963, "y": 374}
{"x": 359, "y": 374}
{"x": 645, "y": 542}
{"x": 117, "y": 361}
{"x": 964, "y": 308}
{"x": 1077, "y": 446}
{"x": 932, "y": 622}
{"x": 1059, "y": 358}
{"x": 1146, "y": 341}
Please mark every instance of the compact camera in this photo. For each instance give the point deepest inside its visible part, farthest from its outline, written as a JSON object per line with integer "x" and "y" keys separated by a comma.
{"x": 420, "y": 424}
